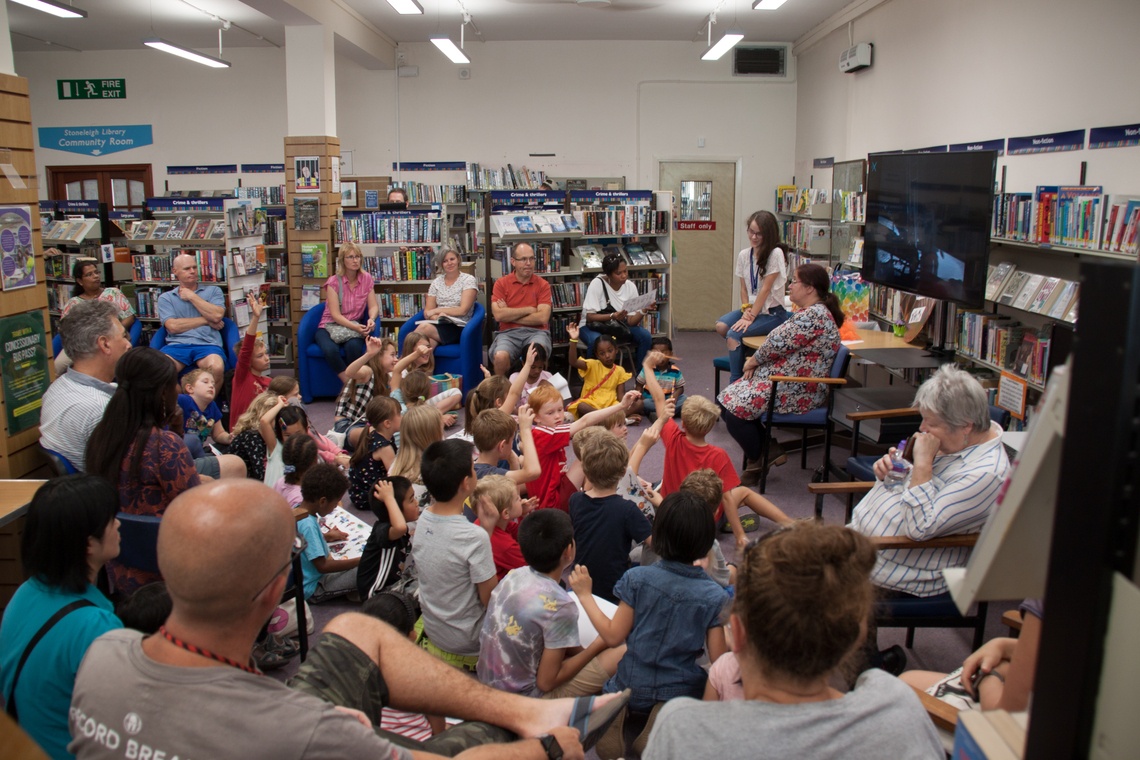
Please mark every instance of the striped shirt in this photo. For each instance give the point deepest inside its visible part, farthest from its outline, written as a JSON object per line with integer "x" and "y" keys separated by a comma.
{"x": 72, "y": 406}
{"x": 956, "y": 500}
{"x": 352, "y": 299}
{"x": 411, "y": 725}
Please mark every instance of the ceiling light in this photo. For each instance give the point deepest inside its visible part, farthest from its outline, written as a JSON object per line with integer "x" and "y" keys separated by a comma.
{"x": 759, "y": 5}
{"x": 184, "y": 52}
{"x": 723, "y": 45}
{"x": 406, "y": 7}
{"x": 448, "y": 48}
{"x": 54, "y": 8}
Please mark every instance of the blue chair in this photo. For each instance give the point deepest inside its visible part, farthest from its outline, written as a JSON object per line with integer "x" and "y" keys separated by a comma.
{"x": 231, "y": 339}
{"x": 720, "y": 364}
{"x": 138, "y": 541}
{"x": 59, "y": 462}
{"x": 462, "y": 358}
{"x": 314, "y": 375}
{"x": 816, "y": 419}
{"x": 135, "y": 331}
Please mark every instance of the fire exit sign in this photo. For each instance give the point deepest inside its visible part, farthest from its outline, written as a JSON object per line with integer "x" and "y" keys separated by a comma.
{"x": 91, "y": 89}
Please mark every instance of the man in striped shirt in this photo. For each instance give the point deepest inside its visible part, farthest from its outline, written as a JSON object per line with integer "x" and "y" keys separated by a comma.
{"x": 73, "y": 405}
{"x": 959, "y": 467}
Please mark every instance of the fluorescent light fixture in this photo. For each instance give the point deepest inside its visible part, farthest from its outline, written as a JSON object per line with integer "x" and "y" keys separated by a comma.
{"x": 723, "y": 45}
{"x": 184, "y": 52}
{"x": 406, "y": 7}
{"x": 448, "y": 48}
{"x": 54, "y": 8}
{"x": 759, "y": 5}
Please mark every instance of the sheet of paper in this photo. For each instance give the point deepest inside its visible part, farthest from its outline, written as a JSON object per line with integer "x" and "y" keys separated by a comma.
{"x": 586, "y": 631}
{"x": 357, "y": 530}
{"x": 640, "y": 303}
{"x": 851, "y": 342}
{"x": 559, "y": 382}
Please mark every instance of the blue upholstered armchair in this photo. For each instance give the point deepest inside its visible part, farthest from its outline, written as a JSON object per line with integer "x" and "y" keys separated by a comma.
{"x": 461, "y": 358}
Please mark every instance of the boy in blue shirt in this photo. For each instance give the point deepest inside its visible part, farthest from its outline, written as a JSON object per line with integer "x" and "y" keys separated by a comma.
{"x": 201, "y": 417}
{"x": 669, "y": 377}
{"x": 322, "y": 488}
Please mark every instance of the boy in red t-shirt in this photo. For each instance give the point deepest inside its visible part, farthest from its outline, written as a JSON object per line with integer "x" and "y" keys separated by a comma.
{"x": 500, "y": 492}
{"x": 252, "y": 364}
{"x": 552, "y": 435}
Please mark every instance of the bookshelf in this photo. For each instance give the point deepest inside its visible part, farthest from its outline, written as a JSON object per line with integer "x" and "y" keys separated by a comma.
{"x": 848, "y": 211}
{"x": 805, "y": 217}
{"x": 75, "y": 231}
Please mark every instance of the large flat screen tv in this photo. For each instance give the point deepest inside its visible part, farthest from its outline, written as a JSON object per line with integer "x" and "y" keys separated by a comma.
{"x": 928, "y": 223}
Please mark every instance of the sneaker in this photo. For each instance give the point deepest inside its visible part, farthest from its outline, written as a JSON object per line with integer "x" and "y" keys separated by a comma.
{"x": 612, "y": 744}
{"x": 642, "y": 739}
{"x": 893, "y": 660}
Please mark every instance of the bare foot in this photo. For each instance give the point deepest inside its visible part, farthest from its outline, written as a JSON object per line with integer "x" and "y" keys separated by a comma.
{"x": 633, "y": 419}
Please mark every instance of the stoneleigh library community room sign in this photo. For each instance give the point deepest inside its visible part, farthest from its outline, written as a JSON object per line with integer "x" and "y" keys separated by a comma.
{"x": 96, "y": 141}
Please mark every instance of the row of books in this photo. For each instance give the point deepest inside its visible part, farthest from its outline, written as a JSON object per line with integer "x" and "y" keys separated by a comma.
{"x": 178, "y": 228}
{"x": 802, "y": 233}
{"x": 382, "y": 228}
{"x": 158, "y": 266}
{"x": 420, "y": 194}
{"x": 509, "y": 178}
{"x": 623, "y": 220}
{"x": 1075, "y": 216}
{"x": 62, "y": 265}
{"x": 71, "y": 230}
{"x": 276, "y": 269}
{"x": 273, "y": 195}
{"x": 1005, "y": 343}
{"x": 535, "y": 224}
{"x": 278, "y": 306}
{"x": 280, "y": 346}
{"x": 250, "y": 259}
{"x": 853, "y": 205}
{"x": 58, "y": 294}
{"x": 404, "y": 264}
{"x": 400, "y": 304}
{"x": 547, "y": 257}
{"x": 275, "y": 231}
{"x": 890, "y": 304}
{"x": 1052, "y": 297}
{"x": 798, "y": 200}
{"x": 147, "y": 301}
{"x": 634, "y": 254}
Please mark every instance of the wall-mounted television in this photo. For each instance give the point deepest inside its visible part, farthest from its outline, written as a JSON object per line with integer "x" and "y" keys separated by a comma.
{"x": 928, "y": 223}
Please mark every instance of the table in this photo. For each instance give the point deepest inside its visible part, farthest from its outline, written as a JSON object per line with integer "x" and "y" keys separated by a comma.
{"x": 901, "y": 358}
{"x": 871, "y": 339}
{"x": 15, "y": 495}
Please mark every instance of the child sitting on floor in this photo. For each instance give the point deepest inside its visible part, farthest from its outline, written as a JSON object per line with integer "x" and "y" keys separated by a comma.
{"x": 413, "y": 387}
{"x": 668, "y": 613}
{"x": 537, "y": 375}
{"x": 324, "y": 577}
{"x": 394, "y": 503}
{"x": 668, "y": 376}
{"x": 530, "y": 641}
{"x": 496, "y": 392}
{"x": 603, "y": 381}
{"x": 248, "y": 444}
{"x": 606, "y": 525}
{"x": 201, "y": 417}
{"x": 422, "y": 426}
{"x": 375, "y": 453}
{"x": 298, "y": 454}
{"x": 494, "y": 433}
{"x": 502, "y": 495}
{"x": 399, "y": 611}
{"x": 444, "y": 402}
{"x": 551, "y": 434}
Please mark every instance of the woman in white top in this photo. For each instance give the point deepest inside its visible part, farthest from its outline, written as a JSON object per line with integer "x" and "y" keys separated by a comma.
{"x": 450, "y": 299}
{"x": 612, "y": 288}
{"x": 763, "y": 273}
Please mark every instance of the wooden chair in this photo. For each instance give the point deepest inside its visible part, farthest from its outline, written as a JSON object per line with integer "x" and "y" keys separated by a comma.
{"x": 942, "y": 715}
{"x": 1012, "y": 619}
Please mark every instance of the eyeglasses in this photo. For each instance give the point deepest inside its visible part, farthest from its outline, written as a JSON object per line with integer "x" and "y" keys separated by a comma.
{"x": 299, "y": 545}
{"x": 527, "y": 260}
{"x": 353, "y": 256}
{"x": 792, "y": 282}
{"x": 753, "y": 233}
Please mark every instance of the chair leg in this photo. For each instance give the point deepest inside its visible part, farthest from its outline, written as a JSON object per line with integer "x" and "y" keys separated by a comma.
{"x": 803, "y": 450}
{"x": 299, "y": 602}
{"x": 910, "y": 638}
{"x": 980, "y": 627}
{"x": 827, "y": 452}
{"x": 764, "y": 457}
{"x": 716, "y": 381}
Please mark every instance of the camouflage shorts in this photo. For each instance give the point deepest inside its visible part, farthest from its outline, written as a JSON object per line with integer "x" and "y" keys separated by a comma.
{"x": 339, "y": 673}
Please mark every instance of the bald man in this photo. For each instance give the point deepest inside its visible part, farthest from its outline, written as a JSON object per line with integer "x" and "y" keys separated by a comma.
{"x": 190, "y": 691}
{"x": 192, "y": 315}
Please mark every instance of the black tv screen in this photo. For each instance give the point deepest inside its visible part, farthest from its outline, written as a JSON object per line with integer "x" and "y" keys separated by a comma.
{"x": 928, "y": 223}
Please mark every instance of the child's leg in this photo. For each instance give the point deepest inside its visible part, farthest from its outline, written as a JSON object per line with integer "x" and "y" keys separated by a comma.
{"x": 583, "y": 408}
{"x": 332, "y": 585}
{"x": 576, "y": 474}
{"x": 447, "y": 400}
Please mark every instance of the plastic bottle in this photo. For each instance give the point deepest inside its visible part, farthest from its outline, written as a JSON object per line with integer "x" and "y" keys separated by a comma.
{"x": 895, "y": 480}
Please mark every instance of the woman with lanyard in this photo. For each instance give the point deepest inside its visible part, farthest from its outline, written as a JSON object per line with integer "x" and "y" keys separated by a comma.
{"x": 605, "y": 302}
{"x": 763, "y": 272}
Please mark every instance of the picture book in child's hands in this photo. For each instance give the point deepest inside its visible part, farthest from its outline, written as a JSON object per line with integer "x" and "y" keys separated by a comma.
{"x": 355, "y": 528}
{"x": 630, "y": 488}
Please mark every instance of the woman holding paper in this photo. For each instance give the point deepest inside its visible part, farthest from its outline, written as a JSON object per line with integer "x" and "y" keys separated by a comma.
{"x": 450, "y": 301}
{"x": 605, "y": 302}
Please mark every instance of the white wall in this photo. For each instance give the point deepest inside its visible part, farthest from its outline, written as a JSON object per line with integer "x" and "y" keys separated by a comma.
{"x": 198, "y": 115}
{"x": 949, "y": 72}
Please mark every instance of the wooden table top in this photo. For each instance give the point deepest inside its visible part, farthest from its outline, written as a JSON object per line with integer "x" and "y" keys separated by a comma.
{"x": 15, "y": 495}
{"x": 871, "y": 339}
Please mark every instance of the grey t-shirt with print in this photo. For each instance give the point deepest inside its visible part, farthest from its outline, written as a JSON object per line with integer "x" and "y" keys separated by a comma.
{"x": 127, "y": 705}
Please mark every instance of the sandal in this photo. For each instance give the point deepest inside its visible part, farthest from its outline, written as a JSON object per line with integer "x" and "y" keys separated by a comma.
{"x": 750, "y": 523}
{"x": 267, "y": 659}
{"x": 593, "y": 724}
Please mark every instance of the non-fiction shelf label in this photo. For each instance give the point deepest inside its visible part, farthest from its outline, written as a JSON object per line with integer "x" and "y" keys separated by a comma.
{"x": 96, "y": 141}
{"x": 1114, "y": 137}
{"x": 1058, "y": 141}
{"x": 429, "y": 166}
{"x": 203, "y": 169}
{"x": 91, "y": 89}
{"x": 931, "y": 149}
{"x": 973, "y": 147}
{"x": 701, "y": 226}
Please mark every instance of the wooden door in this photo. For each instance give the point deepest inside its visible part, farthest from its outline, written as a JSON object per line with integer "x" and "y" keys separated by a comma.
{"x": 123, "y": 187}
{"x": 702, "y": 275}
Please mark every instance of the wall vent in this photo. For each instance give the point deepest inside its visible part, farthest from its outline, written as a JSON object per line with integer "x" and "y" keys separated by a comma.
{"x": 760, "y": 61}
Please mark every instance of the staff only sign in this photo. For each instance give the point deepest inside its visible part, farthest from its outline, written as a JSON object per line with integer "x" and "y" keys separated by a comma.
{"x": 96, "y": 141}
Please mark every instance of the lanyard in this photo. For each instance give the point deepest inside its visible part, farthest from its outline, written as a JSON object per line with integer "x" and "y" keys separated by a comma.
{"x": 755, "y": 272}
{"x": 206, "y": 653}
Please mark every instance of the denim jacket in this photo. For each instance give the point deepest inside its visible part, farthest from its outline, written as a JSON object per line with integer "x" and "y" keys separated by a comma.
{"x": 674, "y": 606}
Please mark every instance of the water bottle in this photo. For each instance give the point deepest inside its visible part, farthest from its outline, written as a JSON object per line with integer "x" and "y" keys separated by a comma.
{"x": 895, "y": 480}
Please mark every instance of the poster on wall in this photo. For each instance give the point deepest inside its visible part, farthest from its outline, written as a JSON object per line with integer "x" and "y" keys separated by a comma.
{"x": 307, "y": 174}
{"x": 17, "y": 255}
{"x": 24, "y": 369}
{"x": 334, "y": 173}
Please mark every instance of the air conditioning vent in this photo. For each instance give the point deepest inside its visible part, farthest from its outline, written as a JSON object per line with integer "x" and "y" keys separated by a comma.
{"x": 760, "y": 61}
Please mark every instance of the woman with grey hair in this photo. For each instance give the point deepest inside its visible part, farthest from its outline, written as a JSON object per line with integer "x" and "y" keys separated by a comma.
{"x": 450, "y": 300}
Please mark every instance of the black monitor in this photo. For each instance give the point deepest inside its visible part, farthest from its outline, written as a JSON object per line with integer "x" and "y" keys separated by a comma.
{"x": 928, "y": 223}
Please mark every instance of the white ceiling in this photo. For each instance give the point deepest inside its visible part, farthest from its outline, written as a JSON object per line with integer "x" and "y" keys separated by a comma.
{"x": 121, "y": 24}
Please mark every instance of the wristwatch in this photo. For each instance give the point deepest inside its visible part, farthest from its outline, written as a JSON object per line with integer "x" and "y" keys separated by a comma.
{"x": 552, "y": 747}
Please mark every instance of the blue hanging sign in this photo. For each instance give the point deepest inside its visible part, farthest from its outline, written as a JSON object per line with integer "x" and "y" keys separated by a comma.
{"x": 971, "y": 147}
{"x": 46, "y": 206}
{"x": 934, "y": 149}
{"x": 123, "y": 214}
{"x": 610, "y": 196}
{"x": 1058, "y": 141}
{"x": 271, "y": 211}
{"x": 77, "y": 207}
{"x": 527, "y": 196}
{"x": 429, "y": 166}
{"x": 263, "y": 168}
{"x": 186, "y": 204}
{"x": 823, "y": 163}
{"x": 211, "y": 169}
{"x": 96, "y": 141}
{"x": 354, "y": 212}
{"x": 1114, "y": 137}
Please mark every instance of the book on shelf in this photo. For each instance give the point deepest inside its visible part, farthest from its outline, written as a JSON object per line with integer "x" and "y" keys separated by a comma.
{"x": 386, "y": 227}
{"x": 785, "y": 198}
{"x": 260, "y": 292}
{"x": 279, "y": 306}
{"x": 508, "y": 178}
{"x": 274, "y": 195}
{"x": 217, "y": 230}
{"x": 525, "y": 225}
{"x": 1122, "y": 224}
{"x": 238, "y": 219}
{"x": 1028, "y": 291}
{"x": 162, "y": 229}
{"x": 1012, "y": 216}
{"x": 315, "y": 260}
{"x": 400, "y": 305}
{"x": 655, "y": 255}
{"x": 571, "y": 223}
{"x": 420, "y": 194}
{"x": 241, "y": 313}
{"x": 307, "y": 214}
{"x": 239, "y": 263}
{"x": 999, "y": 275}
{"x": 1066, "y": 299}
{"x": 402, "y": 264}
{"x": 635, "y": 254}
{"x": 200, "y": 230}
{"x": 310, "y": 296}
{"x": 142, "y": 230}
{"x": 1045, "y": 295}
{"x": 505, "y": 225}
{"x": 856, "y": 255}
{"x": 853, "y": 205}
{"x": 1012, "y": 288}
{"x": 179, "y": 227}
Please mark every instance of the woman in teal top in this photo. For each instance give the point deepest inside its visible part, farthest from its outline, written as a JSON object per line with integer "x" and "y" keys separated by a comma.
{"x": 70, "y": 533}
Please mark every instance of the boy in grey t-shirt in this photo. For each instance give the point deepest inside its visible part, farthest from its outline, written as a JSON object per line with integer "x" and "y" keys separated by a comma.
{"x": 452, "y": 557}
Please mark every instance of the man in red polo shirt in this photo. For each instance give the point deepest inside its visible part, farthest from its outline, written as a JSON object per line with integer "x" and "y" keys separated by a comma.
{"x": 520, "y": 302}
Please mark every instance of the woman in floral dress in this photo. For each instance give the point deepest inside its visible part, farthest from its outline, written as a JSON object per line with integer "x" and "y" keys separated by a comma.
{"x": 804, "y": 346}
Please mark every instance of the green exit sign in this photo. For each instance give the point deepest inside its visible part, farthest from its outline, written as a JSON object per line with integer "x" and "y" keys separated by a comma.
{"x": 91, "y": 89}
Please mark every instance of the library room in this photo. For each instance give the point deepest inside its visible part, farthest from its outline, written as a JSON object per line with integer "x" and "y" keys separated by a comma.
{"x": 367, "y": 363}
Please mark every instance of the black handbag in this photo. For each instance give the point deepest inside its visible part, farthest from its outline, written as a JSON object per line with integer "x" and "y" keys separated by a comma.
{"x": 619, "y": 331}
